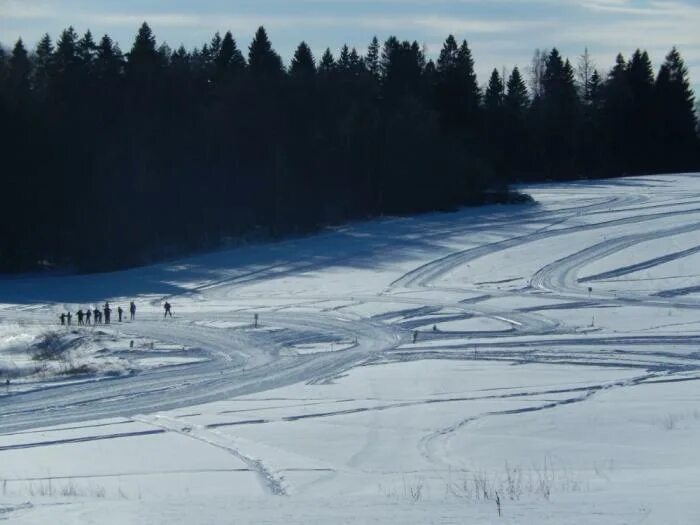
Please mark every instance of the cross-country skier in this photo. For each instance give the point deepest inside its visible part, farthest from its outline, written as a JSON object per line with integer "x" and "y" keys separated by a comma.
{"x": 132, "y": 310}
{"x": 120, "y": 312}
{"x": 108, "y": 312}
{"x": 98, "y": 316}
{"x": 167, "y": 307}
{"x": 62, "y": 317}
{"x": 88, "y": 314}
{"x": 68, "y": 317}
{"x": 80, "y": 316}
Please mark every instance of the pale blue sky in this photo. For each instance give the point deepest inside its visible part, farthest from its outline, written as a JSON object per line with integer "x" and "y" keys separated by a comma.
{"x": 500, "y": 32}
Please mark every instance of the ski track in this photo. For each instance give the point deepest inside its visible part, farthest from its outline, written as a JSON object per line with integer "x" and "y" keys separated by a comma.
{"x": 243, "y": 361}
{"x": 272, "y": 481}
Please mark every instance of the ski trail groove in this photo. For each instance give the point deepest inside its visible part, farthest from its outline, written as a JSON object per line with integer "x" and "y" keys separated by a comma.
{"x": 272, "y": 481}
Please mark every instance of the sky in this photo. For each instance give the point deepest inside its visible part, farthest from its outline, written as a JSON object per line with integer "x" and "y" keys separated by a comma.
{"x": 501, "y": 33}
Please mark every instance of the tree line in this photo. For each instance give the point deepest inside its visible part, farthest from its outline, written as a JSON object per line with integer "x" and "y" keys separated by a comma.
{"x": 112, "y": 159}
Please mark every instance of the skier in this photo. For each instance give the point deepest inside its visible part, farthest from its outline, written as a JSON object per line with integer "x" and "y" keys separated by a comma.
{"x": 120, "y": 312}
{"x": 88, "y": 314}
{"x": 98, "y": 315}
{"x": 108, "y": 312}
{"x": 167, "y": 307}
{"x": 68, "y": 317}
{"x": 132, "y": 310}
{"x": 62, "y": 317}
{"x": 80, "y": 316}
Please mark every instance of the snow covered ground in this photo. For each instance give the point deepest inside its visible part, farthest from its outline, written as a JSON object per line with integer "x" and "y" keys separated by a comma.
{"x": 541, "y": 361}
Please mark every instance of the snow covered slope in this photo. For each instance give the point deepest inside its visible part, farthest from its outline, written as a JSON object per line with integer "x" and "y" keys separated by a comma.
{"x": 541, "y": 361}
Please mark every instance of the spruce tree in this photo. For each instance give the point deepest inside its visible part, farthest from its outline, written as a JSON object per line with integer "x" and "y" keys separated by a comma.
{"x": 303, "y": 64}
{"x": 263, "y": 61}
{"x": 559, "y": 119}
{"x": 457, "y": 93}
{"x": 66, "y": 54}
{"x": 86, "y": 49}
{"x": 372, "y": 58}
{"x": 674, "y": 108}
{"x": 495, "y": 92}
{"x": 641, "y": 125}
{"x": 326, "y": 67}
{"x": 229, "y": 59}
{"x": 143, "y": 59}
{"x": 20, "y": 70}
{"x": 516, "y": 98}
{"x": 43, "y": 64}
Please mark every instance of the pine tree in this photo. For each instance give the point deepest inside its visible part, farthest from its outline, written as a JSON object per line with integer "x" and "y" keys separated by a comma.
{"x": 66, "y": 54}
{"x": 372, "y": 58}
{"x": 43, "y": 64}
{"x": 303, "y": 64}
{"x": 20, "y": 70}
{"x": 262, "y": 59}
{"x": 516, "y": 99}
{"x": 457, "y": 94}
{"x": 344, "y": 65}
{"x": 326, "y": 67}
{"x": 108, "y": 60}
{"x": 641, "y": 126}
{"x": 674, "y": 107}
{"x": 516, "y": 105}
{"x": 143, "y": 59}
{"x": 86, "y": 49}
{"x": 559, "y": 119}
{"x": 495, "y": 93}
{"x": 229, "y": 60}
{"x": 357, "y": 64}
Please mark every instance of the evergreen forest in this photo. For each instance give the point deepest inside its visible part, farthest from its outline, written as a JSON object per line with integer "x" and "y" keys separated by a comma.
{"x": 114, "y": 158}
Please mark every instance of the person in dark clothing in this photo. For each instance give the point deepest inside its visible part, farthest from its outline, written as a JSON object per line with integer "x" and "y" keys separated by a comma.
{"x": 167, "y": 308}
{"x": 80, "y": 316}
{"x": 88, "y": 313}
{"x": 68, "y": 317}
{"x": 98, "y": 316}
{"x": 132, "y": 310}
{"x": 62, "y": 317}
{"x": 108, "y": 312}
{"x": 120, "y": 312}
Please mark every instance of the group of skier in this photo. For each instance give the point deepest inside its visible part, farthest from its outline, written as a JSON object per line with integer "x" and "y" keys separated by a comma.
{"x": 99, "y": 316}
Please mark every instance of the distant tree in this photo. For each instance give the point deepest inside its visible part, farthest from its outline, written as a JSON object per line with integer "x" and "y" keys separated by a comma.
{"x": 641, "y": 125}
{"x": 262, "y": 59}
{"x": 495, "y": 94}
{"x": 677, "y": 141}
{"x": 66, "y": 57}
{"x": 516, "y": 104}
{"x": 538, "y": 67}
{"x": 144, "y": 59}
{"x": 559, "y": 119}
{"x": 303, "y": 64}
{"x": 326, "y": 66}
{"x": 584, "y": 72}
{"x": 20, "y": 70}
{"x": 108, "y": 60}
{"x": 457, "y": 94}
{"x": 372, "y": 58}
{"x": 617, "y": 107}
{"x": 43, "y": 65}
{"x": 86, "y": 49}
{"x": 516, "y": 99}
{"x": 228, "y": 59}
